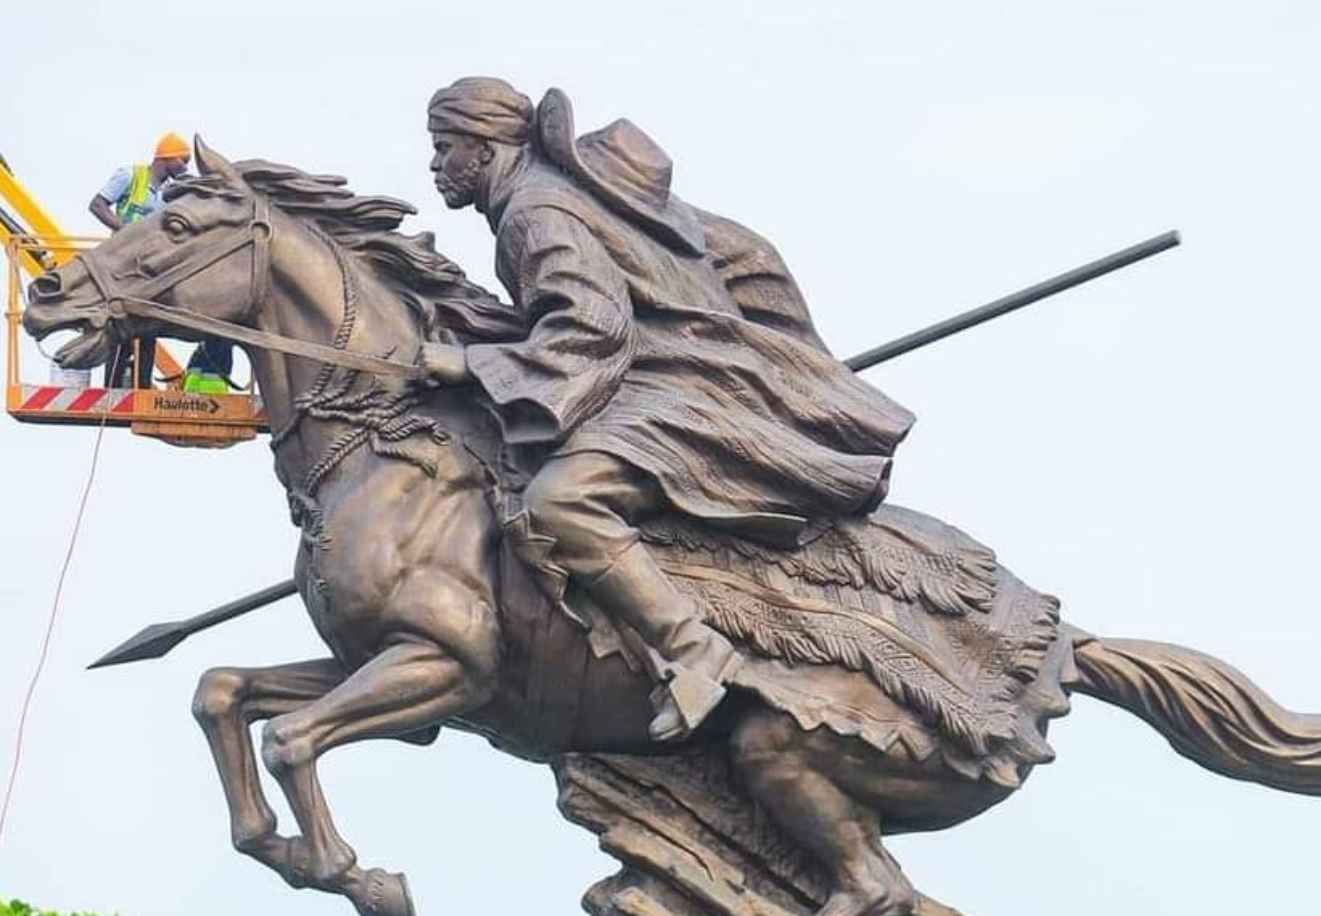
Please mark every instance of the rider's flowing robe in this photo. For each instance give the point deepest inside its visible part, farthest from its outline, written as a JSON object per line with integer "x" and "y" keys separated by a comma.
{"x": 642, "y": 351}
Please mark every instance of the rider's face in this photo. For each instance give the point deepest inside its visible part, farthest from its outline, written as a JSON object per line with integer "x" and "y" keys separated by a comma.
{"x": 457, "y": 166}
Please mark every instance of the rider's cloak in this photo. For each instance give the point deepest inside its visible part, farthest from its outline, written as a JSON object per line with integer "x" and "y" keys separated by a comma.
{"x": 696, "y": 362}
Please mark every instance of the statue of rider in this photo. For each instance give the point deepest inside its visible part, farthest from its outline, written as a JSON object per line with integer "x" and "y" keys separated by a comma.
{"x": 649, "y": 379}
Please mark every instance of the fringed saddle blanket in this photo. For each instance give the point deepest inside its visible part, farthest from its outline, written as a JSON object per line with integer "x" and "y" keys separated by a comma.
{"x": 914, "y": 603}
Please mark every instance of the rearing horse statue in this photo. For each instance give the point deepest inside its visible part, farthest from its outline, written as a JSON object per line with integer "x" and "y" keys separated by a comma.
{"x": 897, "y": 677}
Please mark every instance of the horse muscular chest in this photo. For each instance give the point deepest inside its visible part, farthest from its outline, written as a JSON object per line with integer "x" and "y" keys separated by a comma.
{"x": 403, "y": 554}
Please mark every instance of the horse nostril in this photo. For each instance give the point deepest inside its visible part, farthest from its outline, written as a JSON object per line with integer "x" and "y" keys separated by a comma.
{"x": 47, "y": 286}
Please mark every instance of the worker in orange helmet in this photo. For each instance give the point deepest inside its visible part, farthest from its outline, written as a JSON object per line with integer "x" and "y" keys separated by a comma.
{"x": 133, "y": 193}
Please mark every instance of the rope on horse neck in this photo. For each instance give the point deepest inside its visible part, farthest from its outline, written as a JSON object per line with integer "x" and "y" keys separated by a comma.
{"x": 343, "y": 333}
{"x": 54, "y": 613}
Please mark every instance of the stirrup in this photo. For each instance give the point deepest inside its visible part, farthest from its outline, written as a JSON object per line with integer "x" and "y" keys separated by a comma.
{"x": 682, "y": 704}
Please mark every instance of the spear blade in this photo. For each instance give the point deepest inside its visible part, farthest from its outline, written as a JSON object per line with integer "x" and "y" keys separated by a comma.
{"x": 151, "y": 642}
{"x": 159, "y": 638}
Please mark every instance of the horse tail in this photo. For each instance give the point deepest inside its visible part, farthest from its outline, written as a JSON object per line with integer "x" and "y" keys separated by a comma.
{"x": 1207, "y": 710}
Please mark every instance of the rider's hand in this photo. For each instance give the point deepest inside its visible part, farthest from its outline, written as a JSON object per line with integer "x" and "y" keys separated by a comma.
{"x": 445, "y": 363}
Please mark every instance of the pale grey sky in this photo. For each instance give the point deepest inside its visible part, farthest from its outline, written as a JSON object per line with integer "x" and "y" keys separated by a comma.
{"x": 1143, "y": 447}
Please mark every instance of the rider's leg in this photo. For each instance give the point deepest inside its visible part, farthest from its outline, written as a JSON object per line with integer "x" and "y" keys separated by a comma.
{"x": 698, "y": 659}
{"x": 227, "y": 701}
{"x": 586, "y": 503}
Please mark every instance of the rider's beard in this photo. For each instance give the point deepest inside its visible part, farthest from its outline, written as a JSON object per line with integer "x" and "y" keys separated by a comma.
{"x": 461, "y": 190}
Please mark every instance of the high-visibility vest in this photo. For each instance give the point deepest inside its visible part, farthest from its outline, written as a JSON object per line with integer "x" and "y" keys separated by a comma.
{"x": 131, "y": 205}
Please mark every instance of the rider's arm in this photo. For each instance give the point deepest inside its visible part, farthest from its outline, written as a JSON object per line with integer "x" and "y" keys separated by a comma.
{"x": 581, "y": 336}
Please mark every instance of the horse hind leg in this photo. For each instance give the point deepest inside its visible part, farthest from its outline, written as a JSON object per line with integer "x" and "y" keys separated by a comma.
{"x": 776, "y": 765}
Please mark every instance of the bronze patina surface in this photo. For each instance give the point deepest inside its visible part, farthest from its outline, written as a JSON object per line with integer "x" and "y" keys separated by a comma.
{"x": 631, "y": 526}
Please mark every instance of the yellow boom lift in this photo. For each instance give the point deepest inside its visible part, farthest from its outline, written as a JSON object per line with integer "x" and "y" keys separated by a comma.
{"x": 34, "y": 244}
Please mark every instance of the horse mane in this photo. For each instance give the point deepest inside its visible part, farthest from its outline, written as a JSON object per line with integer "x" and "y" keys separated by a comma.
{"x": 447, "y": 304}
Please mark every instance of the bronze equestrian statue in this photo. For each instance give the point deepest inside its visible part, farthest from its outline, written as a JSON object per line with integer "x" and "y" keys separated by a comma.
{"x": 635, "y": 511}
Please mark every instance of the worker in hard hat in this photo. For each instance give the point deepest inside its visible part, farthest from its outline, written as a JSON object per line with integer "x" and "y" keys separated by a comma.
{"x": 135, "y": 192}
{"x": 132, "y": 193}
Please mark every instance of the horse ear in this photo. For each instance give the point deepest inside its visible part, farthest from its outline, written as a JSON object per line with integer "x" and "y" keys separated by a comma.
{"x": 209, "y": 162}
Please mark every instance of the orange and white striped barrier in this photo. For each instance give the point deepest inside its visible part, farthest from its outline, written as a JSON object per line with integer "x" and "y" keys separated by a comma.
{"x": 54, "y": 399}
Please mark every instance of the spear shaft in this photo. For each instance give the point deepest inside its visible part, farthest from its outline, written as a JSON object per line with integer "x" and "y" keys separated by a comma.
{"x": 159, "y": 638}
{"x": 1035, "y": 293}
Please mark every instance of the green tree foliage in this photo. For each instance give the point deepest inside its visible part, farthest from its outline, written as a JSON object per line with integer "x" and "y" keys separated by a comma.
{"x": 19, "y": 908}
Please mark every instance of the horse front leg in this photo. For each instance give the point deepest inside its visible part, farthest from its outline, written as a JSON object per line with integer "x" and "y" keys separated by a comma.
{"x": 411, "y": 685}
{"x": 227, "y": 701}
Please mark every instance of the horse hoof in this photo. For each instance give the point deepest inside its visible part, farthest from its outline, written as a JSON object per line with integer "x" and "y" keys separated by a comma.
{"x": 385, "y": 894}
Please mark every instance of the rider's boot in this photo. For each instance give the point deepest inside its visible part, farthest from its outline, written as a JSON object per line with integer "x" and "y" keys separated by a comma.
{"x": 699, "y": 661}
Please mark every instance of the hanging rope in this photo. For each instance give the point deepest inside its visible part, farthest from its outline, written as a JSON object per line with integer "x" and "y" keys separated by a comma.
{"x": 54, "y": 614}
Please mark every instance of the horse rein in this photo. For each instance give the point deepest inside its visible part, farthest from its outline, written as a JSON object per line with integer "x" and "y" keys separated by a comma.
{"x": 259, "y": 233}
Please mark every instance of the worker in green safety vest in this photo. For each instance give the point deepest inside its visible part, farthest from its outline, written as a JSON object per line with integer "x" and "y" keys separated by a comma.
{"x": 133, "y": 193}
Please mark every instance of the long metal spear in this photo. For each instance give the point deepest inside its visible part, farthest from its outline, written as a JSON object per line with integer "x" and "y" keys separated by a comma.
{"x": 159, "y": 638}
{"x": 1036, "y": 293}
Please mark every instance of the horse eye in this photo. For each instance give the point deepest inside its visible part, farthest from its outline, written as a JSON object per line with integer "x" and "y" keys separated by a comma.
{"x": 177, "y": 226}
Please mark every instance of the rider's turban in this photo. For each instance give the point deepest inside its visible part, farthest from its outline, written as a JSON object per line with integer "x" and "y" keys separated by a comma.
{"x": 482, "y": 106}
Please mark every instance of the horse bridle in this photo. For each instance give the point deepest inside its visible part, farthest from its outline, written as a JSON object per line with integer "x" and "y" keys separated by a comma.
{"x": 259, "y": 232}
